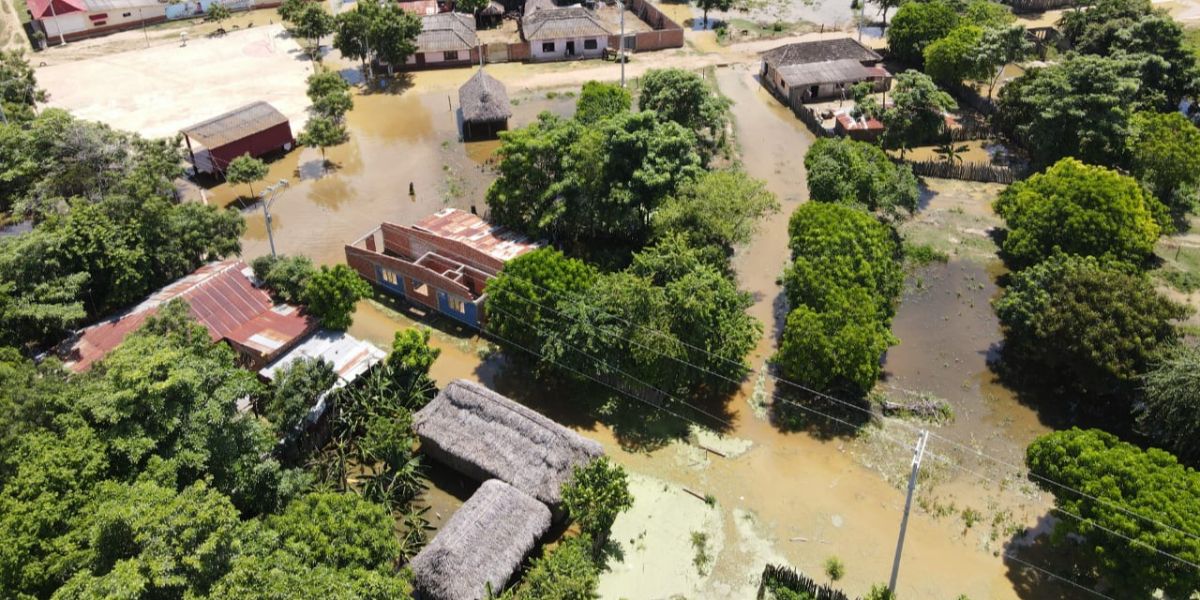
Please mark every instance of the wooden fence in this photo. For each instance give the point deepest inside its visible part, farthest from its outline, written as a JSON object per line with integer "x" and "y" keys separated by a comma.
{"x": 967, "y": 171}
{"x": 786, "y": 577}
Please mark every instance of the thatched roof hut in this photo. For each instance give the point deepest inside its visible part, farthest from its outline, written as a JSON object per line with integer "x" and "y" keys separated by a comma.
{"x": 483, "y": 543}
{"x": 484, "y": 103}
{"x": 484, "y": 435}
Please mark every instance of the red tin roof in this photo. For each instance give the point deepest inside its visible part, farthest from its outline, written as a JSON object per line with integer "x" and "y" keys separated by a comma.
{"x": 221, "y": 297}
{"x": 465, "y": 228}
{"x": 41, "y": 8}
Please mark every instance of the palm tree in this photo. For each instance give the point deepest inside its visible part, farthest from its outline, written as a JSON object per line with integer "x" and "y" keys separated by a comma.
{"x": 951, "y": 153}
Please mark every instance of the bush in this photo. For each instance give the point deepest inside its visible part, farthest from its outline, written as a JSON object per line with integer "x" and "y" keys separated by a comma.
{"x": 594, "y": 496}
{"x": 859, "y": 174}
{"x": 332, "y": 293}
{"x": 284, "y": 276}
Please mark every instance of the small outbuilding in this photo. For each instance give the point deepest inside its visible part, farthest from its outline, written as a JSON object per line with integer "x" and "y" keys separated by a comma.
{"x": 256, "y": 129}
{"x": 484, "y": 435}
{"x": 482, "y": 544}
{"x": 484, "y": 105}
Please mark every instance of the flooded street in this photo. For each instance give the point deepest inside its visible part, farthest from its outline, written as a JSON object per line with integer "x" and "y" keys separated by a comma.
{"x": 779, "y": 497}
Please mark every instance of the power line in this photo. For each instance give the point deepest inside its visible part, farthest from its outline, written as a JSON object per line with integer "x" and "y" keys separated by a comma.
{"x": 866, "y": 411}
{"x": 1067, "y": 580}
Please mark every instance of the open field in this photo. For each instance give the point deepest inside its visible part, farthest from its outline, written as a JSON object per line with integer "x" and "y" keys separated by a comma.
{"x": 12, "y": 33}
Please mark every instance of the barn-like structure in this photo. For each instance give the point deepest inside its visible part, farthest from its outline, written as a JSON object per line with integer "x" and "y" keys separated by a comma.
{"x": 256, "y": 129}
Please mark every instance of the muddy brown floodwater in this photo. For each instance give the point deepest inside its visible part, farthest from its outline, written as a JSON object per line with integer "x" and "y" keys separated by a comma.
{"x": 786, "y": 497}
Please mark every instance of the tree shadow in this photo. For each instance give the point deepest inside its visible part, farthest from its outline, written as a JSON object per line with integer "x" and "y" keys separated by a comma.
{"x": 796, "y": 410}
{"x": 1035, "y": 547}
{"x": 382, "y": 83}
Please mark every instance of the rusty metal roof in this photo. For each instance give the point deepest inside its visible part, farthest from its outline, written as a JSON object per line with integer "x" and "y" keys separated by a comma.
{"x": 234, "y": 125}
{"x": 221, "y": 298}
{"x": 465, "y": 228}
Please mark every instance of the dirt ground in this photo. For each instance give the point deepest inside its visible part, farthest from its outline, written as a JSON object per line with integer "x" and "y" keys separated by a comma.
{"x": 158, "y": 90}
{"x": 12, "y": 32}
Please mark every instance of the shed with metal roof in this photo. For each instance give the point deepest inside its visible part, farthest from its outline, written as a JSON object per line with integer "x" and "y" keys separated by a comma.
{"x": 256, "y": 129}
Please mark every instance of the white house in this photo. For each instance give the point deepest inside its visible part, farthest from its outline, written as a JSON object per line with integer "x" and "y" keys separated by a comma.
{"x": 558, "y": 33}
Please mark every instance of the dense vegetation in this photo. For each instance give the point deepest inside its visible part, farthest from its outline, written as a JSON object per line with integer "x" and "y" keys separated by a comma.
{"x": 859, "y": 174}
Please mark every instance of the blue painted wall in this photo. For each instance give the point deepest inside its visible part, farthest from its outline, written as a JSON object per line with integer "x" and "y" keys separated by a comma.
{"x": 470, "y": 316}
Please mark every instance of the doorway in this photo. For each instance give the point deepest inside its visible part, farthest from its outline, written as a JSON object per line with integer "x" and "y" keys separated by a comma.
{"x": 571, "y": 48}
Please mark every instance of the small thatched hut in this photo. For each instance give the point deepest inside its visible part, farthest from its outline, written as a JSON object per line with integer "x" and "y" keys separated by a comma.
{"x": 485, "y": 108}
{"x": 483, "y": 543}
{"x": 484, "y": 435}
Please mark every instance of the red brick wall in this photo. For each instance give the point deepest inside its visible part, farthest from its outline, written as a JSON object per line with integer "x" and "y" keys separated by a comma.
{"x": 413, "y": 243}
{"x": 364, "y": 262}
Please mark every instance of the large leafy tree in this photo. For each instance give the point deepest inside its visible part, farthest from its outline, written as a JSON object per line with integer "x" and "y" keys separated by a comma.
{"x": 1078, "y": 209}
{"x": 956, "y": 57}
{"x": 999, "y": 47}
{"x": 1164, "y": 153}
{"x": 1117, "y": 481}
{"x": 19, "y": 92}
{"x": 859, "y": 174}
{"x": 719, "y": 209}
{"x": 599, "y": 101}
{"x": 322, "y": 132}
{"x": 1079, "y": 107}
{"x": 567, "y": 572}
{"x": 284, "y": 276}
{"x": 393, "y": 35}
{"x": 684, "y": 97}
{"x": 1089, "y": 326}
{"x": 917, "y": 112}
{"x": 523, "y": 297}
{"x": 596, "y": 493}
{"x": 917, "y": 25}
{"x": 837, "y": 348}
{"x": 297, "y": 386}
{"x": 313, "y": 22}
{"x": 1171, "y": 411}
{"x": 332, "y": 293}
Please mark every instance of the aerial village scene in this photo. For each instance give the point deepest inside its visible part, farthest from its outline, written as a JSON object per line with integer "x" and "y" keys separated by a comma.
{"x": 600, "y": 299}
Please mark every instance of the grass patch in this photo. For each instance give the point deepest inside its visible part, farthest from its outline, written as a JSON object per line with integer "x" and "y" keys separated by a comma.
{"x": 919, "y": 255}
{"x": 701, "y": 559}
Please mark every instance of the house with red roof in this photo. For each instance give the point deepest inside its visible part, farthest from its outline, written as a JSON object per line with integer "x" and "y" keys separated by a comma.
{"x": 442, "y": 262}
{"x": 223, "y": 298}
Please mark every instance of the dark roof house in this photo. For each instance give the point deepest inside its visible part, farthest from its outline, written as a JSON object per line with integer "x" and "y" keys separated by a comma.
{"x": 223, "y": 299}
{"x": 482, "y": 544}
{"x": 822, "y": 69}
{"x": 846, "y": 48}
{"x": 484, "y": 435}
{"x": 484, "y": 104}
{"x": 255, "y": 129}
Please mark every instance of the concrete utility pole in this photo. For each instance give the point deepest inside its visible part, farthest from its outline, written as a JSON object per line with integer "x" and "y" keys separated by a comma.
{"x": 61, "y": 40}
{"x": 621, "y": 44}
{"x": 918, "y": 454}
{"x": 271, "y": 190}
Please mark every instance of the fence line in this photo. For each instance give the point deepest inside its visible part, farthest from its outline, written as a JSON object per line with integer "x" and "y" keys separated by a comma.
{"x": 797, "y": 582}
{"x": 967, "y": 171}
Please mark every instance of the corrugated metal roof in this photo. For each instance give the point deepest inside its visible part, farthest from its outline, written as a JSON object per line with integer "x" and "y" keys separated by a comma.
{"x": 349, "y": 356}
{"x": 41, "y": 8}
{"x": 447, "y": 31}
{"x": 461, "y": 226}
{"x": 830, "y": 71}
{"x": 820, "y": 51}
{"x": 555, "y": 23}
{"x": 419, "y": 7}
{"x": 234, "y": 125}
{"x": 221, "y": 298}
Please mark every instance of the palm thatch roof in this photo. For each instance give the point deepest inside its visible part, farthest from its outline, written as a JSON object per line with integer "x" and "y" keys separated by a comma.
{"x": 483, "y": 99}
{"x": 483, "y": 543}
{"x": 484, "y": 436}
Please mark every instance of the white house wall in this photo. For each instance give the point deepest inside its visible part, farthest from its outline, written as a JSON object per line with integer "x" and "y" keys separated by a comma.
{"x": 560, "y": 48}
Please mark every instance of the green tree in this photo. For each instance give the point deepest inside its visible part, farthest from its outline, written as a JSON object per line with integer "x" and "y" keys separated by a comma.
{"x": 522, "y": 297}
{"x": 217, "y": 13}
{"x": 686, "y": 98}
{"x": 565, "y": 573}
{"x": 834, "y": 568}
{"x": 330, "y": 94}
{"x": 1000, "y": 47}
{"x": 917, "y": 112}
{"x": 19, "y": 92}
{"x": 297, "y": 386}
{"x": 918, "y": 24}
{"x": 1084, "y": 324}
{"x": 284, "y": 276}
{"x": 719, "y": 209}
{"x": 838, "y": 349}
{"x": 351, "y": 31}
{"x": 1078, "y": 209}
{"x": 599, "y": 101}
{"x": 951, "y": 152}
{"x": 337, "y": 530}
{"x": 322, "y": 132}
{"x": 1119, "y": 480}
{"x": 393, "y": 35}
{"x": 955, "y": 58}
{"x": 314, "y": 23}
{"x": 1164, "y": 152}
{"x": 332, "y": 293}
{"x": 246, "y": 169}
{"x": 596, "y": 493}
{"x": 879, "y": 591}
{"x": 290, "y": 10}
{"x": 707, "y": 5}
{"x": 1171, "y": 414}
{"x": 835, "y": 247}
{"x": 1079, "y": 107}
{"x": 411, "y": 359}
{"x": 859, "y": 174}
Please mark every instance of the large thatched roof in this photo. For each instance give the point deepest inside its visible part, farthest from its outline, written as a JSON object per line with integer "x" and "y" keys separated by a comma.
{"x": 483, "y": 542}
{"x": 485, "y": 435}
{"x": 483, "y": 99}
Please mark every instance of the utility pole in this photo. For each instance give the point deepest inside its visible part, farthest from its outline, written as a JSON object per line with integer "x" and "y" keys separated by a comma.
{"x": 53, "y": 13}
{"x": 918, "y": 454}
{"x": 621, "y": 44}
{"x": 271, "y": 191}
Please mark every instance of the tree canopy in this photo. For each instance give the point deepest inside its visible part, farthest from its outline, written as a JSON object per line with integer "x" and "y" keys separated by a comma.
{"x": 917, "y": 114}
{"x": 332, "y": 293}
{"x": 956, "y": 57}
{"x": 1078, "y": 209}
{"x": 596, "y": 493}
{"x": 916, "y": 25}
{"x": 1171, "y": 411}
{"x": 859, "y": 174}
{"x": 285, "y": 276}
{"x": 599, "y": 101}
{"x": 1164, "y": 153}
{"x": 246, "y": 169}
{"x": 1119, "y": 480}
{"x": 1092, "y": 327}
{"x": 718, "y": 209}
{"x": 684, "y": 97}
{"x": 19, "y": 92}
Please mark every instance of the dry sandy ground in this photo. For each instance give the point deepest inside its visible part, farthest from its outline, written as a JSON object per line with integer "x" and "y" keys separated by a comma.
{"x": 155, "y": 91}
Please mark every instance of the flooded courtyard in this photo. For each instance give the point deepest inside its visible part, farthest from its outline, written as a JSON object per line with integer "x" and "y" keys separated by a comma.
{"x": 775, "y": 496}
